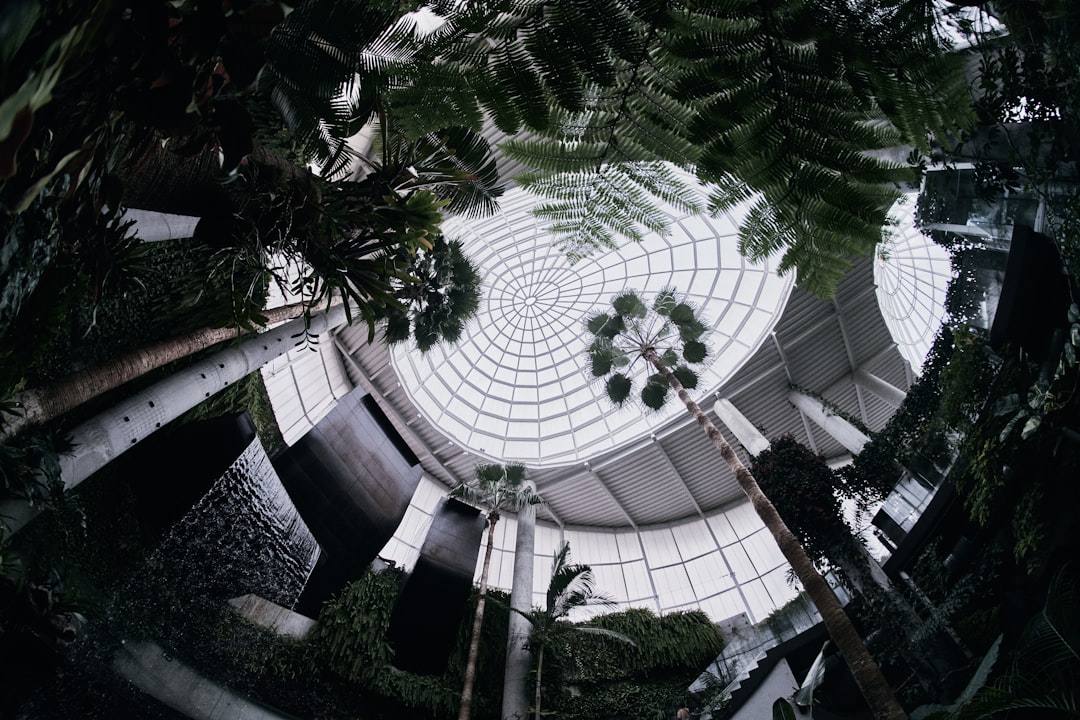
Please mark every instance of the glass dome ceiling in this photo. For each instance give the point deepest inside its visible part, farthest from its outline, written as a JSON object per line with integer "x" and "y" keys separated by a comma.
{"x": 517, "y": 387}
{"x": 912, "y": 274}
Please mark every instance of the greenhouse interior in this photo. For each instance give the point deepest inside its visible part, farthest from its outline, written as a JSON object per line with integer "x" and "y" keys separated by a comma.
{"x": 608, "y": 359}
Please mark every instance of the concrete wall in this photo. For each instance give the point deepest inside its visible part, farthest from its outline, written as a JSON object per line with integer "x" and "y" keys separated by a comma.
{"x": 424, "y": 624}
{"x": 779, "y": 683}
{"x": 352, "y": 487}
{"x": 149, "y": 668}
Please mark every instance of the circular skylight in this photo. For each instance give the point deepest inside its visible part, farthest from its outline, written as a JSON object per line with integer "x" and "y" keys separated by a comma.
{"x": 517, "y": 386}
{"x": 911, "y": 273}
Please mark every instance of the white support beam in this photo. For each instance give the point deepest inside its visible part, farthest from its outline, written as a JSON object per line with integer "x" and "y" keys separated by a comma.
{"x": 802, "y": 416}
{"x": 740, "y": 426}
{"x": 607, "y": 491}
{"x": 872, "y": 383}
{"x": 104, "y": 437}
{"x": 851, "y": 358}
{"x": 675, "y": 472}
{"x": 151, "y": 226}
{"x": 840, "y": 429}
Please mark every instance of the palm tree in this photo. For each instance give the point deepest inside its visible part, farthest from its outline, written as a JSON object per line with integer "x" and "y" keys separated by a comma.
{"x": 515, "y": 698}
{"x": 441, "y": 294}
{"x": 668, "y": 337}
{"x": 495, "y": 488}
{"x": 571, "y": 587}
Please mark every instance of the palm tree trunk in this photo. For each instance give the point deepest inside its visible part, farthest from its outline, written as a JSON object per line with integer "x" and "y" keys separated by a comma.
{"x": 41, "y": 404}
{"x": 539, "y": 675}
{"x": 868, "y": 676}
{"x": 478, "y": 622}
{"x": 106, "y": 436}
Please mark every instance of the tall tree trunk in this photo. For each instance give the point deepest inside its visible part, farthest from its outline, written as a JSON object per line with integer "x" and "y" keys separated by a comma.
{"x": 103, "y": 438}
{"x": 868, "y": 676}
{"x": 539, "y": 676}
{"x": 478, "y": 622}
{"x": 41, "y": 404}
{"x": 515, "y": 705}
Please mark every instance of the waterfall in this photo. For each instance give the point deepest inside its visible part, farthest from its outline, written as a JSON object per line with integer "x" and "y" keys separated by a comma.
{"x": 243, "y": 536}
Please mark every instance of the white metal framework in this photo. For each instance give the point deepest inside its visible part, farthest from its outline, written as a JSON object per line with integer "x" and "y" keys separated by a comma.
{"x": 912, "y": 273}
{"x": 517, "y": 387}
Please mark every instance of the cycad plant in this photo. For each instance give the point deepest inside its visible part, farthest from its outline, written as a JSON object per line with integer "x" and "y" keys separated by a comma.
{"x": 571, "y": 587}
{"x": 667, "y": 339}
{"x": 494, "y": 488}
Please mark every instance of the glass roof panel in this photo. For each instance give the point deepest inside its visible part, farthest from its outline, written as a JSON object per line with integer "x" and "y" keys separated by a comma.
{"x": 911, "y": 273}
{"x": 525, "y": 347}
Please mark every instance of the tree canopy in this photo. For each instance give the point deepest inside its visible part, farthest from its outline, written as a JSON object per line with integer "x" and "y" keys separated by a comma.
{"x": 785, "y": 106}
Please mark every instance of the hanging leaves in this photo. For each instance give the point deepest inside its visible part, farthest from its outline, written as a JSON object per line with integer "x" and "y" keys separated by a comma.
{"x": 618, "y": 388}
{"x": 695, "y": 351}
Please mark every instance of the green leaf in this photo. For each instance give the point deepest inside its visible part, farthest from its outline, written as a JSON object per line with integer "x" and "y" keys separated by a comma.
{"x": 1030, "y": 426}
{"x": 682, "y": 313}
{"x": 16, "y": 21}
{"x": 665, "y": 301}
{"x": 782, "y": 710}
{"x": 653, "y": 394}
{"x": 597, "y": 322}
{"x": 605, "y": 326}
{"x": 618, "y": 388}
{"x": 691, "y": 330}
{"x": 804, "y": 696}
{"x": 686, "y": 377}
{"x": 629, "y": 304}
{"x": 694, "y": 351}
{"x": 600, "y": 363}
{"x": 397, "y": 327}
{"x": 1009, "y": 426}
{"x": 669, "y": 357}
{"x": 1006, "y": 404}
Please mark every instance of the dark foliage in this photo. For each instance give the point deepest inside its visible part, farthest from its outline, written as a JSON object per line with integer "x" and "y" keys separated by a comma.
{"x": 803, "y": 489}
{"x": 632, "y": 682}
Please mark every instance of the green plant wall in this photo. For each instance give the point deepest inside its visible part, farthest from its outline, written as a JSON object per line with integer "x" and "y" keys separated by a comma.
{"x": 601, "y": 677}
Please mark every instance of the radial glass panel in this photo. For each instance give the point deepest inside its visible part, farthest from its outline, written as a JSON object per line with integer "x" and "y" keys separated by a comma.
{"x": 517, "y": 386}
{"x": 911, "y": 273}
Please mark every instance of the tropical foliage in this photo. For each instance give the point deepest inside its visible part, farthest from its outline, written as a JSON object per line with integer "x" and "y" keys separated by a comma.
{"x": 571, "y": 588}
{"x": 779, "y": 104}
{"x": 803, "y": 489}
{"x": 660, "y": 335}
{"x": 914, "y": 430}
{"x": 435, "y": 304}
{"x": 494, "y": 488}
{"x": 667, "y": 337}
{"x": 1042, "y": 678}
{"x": 636, "y": 682}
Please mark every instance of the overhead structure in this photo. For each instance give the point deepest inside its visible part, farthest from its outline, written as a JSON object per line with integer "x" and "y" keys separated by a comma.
{"x": 911, "y": 273}
{"x": 517, "y": 387}
{"x": 642, "y": 497}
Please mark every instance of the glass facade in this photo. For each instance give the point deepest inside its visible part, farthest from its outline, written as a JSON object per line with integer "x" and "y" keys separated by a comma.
{"x": 912, "y": 274}
{"x": 724, "y": 564}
